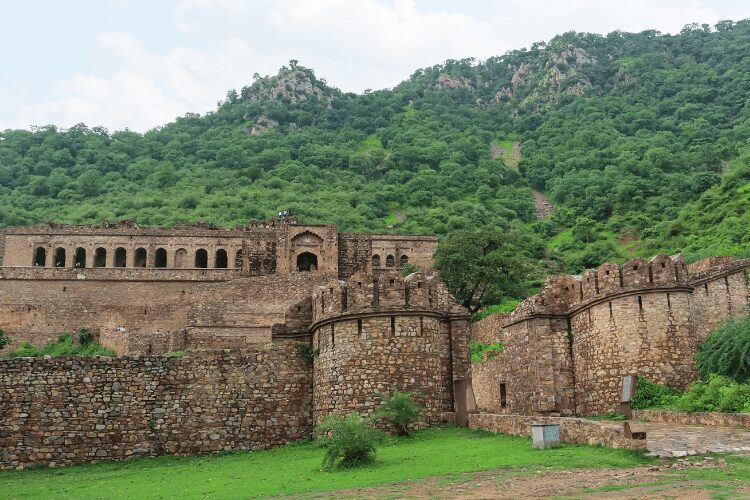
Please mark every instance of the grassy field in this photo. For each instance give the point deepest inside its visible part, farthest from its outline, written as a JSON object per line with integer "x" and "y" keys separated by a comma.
{"x": 296, "y": 469}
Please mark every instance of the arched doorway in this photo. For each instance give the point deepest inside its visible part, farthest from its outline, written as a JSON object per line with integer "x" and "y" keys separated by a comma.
{"x": 140, "y": 257}
{"x": 60, "y": 257}
{"x": 121, "y": 256}
{"x": 307, "y": 262}
{"x": 201, "y": 258}
{"x": 180, "y": 258}
{"x": 160, "y": 258}
{"x": 221, "y": 261}
{"x": 80, "y": 258}
{"x": 100, "y": 257}
{"x": 40, "y": 257}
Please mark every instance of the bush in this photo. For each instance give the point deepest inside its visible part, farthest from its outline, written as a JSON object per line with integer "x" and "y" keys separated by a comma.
{"x": 176, "y": 354}
{"x": 85, "y": 336}
{"x": 726, "y": 351}
{"x": 4, "y": 339}
{"x": 307, "y": 353}
{"x": 718, "y": 393}
{"x": 401, "y": 410}
{"x": 481, "y": 350}
{"x": 63, "y": 346}
{"x": 349, "y": 442}
{"x": 652, "y": 395}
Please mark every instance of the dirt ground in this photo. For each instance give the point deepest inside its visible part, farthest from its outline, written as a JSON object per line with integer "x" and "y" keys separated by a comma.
{"x": 645, "y": 482}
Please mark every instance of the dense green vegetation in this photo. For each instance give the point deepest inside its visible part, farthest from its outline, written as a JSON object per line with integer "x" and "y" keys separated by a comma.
{"x": 640, "y": 141}
{"x": 297, "y": 468}
{"x": 724, "y": 383}
{"x": 481, "y": 351}
{"x": 63, "y": 346}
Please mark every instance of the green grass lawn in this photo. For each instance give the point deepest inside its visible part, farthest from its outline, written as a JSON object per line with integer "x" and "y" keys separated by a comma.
{"x": 296, "y": 468}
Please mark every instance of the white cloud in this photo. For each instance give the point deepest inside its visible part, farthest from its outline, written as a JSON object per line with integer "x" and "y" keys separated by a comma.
{"x": 215, "y": 45}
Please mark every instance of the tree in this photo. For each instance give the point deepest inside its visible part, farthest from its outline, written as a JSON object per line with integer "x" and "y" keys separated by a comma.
{"x": 483, "y": 266}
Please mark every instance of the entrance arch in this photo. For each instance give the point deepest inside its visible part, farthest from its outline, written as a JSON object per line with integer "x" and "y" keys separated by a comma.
{"x": 40, "y": 257}
{"x": 307, "y": 262}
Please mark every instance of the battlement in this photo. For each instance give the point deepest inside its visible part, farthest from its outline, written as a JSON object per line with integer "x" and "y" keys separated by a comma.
{"x": 389, "y": 291}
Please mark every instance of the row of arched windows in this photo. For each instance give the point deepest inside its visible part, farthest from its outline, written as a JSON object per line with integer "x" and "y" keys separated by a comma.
{"x": 201, "y": 260}
{"x": 390, "y": 260}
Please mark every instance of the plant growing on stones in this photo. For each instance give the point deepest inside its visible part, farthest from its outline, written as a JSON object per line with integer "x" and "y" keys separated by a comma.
{"x": 85, "y": 337}
{"x": 726, "y": 351}
{"x": 400, "y": 409}
{"x": 482, "y": 350}
{"x": 307, "y": 353}
{"x": 349, "y": 441}
{"x": 4, "y": 339}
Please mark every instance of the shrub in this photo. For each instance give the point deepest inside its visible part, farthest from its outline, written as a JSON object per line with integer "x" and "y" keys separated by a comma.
{"x": 349, "y": 442}
{"x": 718, "y": 393}
{"x": 85, "y": 336}
{"x": 726, "y": 351}
{"x": 4, "y": 339}
{"x": 401, "y": 410}
{"x": 650, "y": 395}
{"x": 176, "y": 354}
{"x": 63, "y": 346}
{"x": 307, "y": 353}
{"x": 481, "y": 350}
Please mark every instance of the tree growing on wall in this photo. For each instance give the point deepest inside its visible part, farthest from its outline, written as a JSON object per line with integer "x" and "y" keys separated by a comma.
{"x": 483, "y": 266}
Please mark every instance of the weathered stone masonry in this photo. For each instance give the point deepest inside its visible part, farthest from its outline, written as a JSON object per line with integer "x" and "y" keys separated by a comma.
{"x": 64, "y": 410}
{"x": 568, "y": 348}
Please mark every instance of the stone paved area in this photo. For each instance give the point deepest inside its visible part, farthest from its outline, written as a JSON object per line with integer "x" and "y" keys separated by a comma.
{"x": 671, "y": 440}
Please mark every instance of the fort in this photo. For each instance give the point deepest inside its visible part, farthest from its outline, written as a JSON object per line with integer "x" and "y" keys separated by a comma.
{"x": 286, "y": 323}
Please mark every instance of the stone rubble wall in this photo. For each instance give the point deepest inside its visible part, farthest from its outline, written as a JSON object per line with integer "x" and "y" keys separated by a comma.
{"x": 572, "y": 430}
{"x": 714, "y": 419}
{"x": 60, "y": 411}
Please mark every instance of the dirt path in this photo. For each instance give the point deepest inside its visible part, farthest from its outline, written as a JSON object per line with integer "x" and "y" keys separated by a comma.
{"x": 638, "y": 482}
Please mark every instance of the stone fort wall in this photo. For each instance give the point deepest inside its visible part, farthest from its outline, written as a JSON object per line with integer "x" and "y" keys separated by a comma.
{"x": 374, "y": 335}
{"x": 568, "y": 348}
{"x": 62, "y": 411}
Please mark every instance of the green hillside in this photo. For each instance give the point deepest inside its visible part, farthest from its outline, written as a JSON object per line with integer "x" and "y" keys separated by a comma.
{"x": 629, "y": 135}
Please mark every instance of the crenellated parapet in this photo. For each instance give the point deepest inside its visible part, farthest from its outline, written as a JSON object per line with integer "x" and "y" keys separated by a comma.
{"x": 388, "y": 292}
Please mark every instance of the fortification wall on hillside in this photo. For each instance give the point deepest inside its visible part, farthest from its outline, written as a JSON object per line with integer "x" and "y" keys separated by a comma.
{"x": 641, "y": 318}
{"x": 61, "y": 411}
{"x": 373, "y": 336}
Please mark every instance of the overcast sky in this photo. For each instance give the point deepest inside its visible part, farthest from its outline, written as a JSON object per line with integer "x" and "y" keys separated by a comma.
{"x": 140, "y": 63}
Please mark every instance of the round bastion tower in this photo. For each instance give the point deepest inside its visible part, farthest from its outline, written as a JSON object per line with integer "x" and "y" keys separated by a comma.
{"x": 376, "y": 334}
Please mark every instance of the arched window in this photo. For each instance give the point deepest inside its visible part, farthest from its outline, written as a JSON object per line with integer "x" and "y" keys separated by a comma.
{"x": 404, "y": 260}
{"x": 100, "y": 257}
{"x": 376, "y": 260}
{"x": 221, "y": 261}
{"x": 121, "y": 257}
{"x": 307, "y": 261}
{"x": 201, "y": 258}
{"x": 80, "y": 258}
{"x": 390, "y": 261}
{"x": 180, "y": 259}
{"x": 140, "y": 257}
{"x": 40, "y": 257}
{"x": 238, "y": 259}
{"x": 160, "y": 258}
{"x": 60, "y": 257}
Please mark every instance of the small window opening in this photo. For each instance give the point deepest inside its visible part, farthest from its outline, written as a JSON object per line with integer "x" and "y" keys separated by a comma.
{"x": 635, "y": 268}
{"x": 376, "y": 260}
{"x": 610, "y": 309}
{"x": 503, "y": 396}
{"x": 359, "y": 327}
{"x": 390, "y": 261}
{"x": 333, "y": 337}
{"x": 663, "y": 265}
{"x": 40, "y": 257}
{"x": 404, "y": 260}
{"x": 393, "y": 282}
{"x": 640, "y": 303}
{"x": 393, "y": 325}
